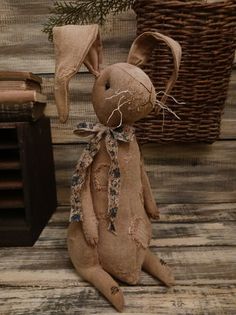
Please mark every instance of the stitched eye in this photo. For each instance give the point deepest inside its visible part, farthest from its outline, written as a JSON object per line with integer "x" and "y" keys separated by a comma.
{"x": 107, "y": 85}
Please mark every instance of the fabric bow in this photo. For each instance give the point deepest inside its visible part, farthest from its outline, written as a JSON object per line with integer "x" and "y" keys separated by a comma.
{"x": 112, "y": 136}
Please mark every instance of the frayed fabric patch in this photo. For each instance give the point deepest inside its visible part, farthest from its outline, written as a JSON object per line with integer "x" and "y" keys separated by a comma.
{"x": 100, "y": 178}
{"x": 141, "y": 197}
{"x": 139, "y": 232}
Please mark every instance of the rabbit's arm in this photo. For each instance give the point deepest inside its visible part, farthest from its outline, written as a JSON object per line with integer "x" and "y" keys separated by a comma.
{"x": 149, "y": 201}
{"x": 89, "y": 223}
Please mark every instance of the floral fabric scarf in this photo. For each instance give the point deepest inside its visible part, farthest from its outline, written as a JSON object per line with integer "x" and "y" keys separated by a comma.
{"x": 112, "y": 137}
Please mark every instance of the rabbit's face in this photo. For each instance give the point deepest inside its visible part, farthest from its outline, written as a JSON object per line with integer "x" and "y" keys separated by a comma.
{"x": 122, "y": 94}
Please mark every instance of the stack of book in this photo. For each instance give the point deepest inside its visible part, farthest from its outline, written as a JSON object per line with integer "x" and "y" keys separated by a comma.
{"x": 20, "y": 96}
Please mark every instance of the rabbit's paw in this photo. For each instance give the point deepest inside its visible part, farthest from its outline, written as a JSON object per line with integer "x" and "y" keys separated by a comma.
{"x": 154, "y": 214}
{"x": 91, "y": 232}
{"x": 91, "y": 240}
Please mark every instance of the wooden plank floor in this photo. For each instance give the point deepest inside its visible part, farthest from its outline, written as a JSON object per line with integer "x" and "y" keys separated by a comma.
{"x": 198, "y": 241}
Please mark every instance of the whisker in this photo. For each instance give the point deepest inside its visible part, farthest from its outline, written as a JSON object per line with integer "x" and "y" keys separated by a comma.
{"x": 172, "y": 97}
{"x": 165, "y": 107}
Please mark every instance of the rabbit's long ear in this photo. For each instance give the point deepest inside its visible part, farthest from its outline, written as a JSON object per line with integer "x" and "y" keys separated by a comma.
{"x": 74, "y": 45}
{"x": 141, "y": 50}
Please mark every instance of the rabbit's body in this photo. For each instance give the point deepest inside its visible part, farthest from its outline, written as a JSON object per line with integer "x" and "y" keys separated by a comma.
{"x": 121, "y": 255}
{"x": 112, "y": 201}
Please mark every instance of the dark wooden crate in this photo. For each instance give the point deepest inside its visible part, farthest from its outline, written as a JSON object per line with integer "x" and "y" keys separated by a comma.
{"x": 27, "y": 181}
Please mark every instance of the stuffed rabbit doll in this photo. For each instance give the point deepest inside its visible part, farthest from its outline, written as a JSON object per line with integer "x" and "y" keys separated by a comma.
{"x": 111, "y": 202}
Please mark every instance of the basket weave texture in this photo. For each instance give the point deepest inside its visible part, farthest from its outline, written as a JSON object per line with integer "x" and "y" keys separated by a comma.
{"x": 207, "y": 34}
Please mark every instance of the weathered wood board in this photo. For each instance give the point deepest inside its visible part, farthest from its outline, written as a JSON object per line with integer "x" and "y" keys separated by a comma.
{"x": 81, "y": 301}
{"x": 195, "y": 173}
{"x": 81, "y": 108}
{"x": 165, "y": 235}
{"x": 51, "y": 267}
{"x": 42, "y": 279}
{"x": 27, "y": 47}
{"x": 176, "y": 213}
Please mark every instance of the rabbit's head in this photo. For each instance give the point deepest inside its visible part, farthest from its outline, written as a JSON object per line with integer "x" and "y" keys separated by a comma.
{"x": 122, "y": 92}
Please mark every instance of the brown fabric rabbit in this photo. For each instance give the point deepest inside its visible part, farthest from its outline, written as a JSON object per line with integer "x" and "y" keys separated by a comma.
{"x": 112, "y": 202}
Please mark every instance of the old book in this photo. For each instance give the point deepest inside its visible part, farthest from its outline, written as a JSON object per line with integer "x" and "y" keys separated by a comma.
{"x": 20, "y": 85}
{"x": 21, "y": 96}
{"x": 28, "y": 111}
{"x": 19, "y": 76}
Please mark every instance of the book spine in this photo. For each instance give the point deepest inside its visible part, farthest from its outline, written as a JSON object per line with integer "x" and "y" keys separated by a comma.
{"x": 19, "y": 76}
{"x": 20, "y": 85}
{"x": 21, "y": 112}
{"x": 21, "y": 97}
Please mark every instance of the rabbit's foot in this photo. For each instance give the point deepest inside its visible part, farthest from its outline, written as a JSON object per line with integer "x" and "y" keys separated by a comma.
{"x": 158, "y": 268}
{"x": 155, "y": 215}
{"x": 98, "y": 277}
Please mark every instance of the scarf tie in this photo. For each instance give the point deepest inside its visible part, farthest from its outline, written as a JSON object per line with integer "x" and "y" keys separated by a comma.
{"x": 112, "y": 137}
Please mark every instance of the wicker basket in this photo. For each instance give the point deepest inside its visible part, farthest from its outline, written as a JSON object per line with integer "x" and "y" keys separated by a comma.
{"x": 207, "y": 34}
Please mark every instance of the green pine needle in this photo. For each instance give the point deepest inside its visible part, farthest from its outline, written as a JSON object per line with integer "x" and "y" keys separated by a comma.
{"x": 83, "y": 12}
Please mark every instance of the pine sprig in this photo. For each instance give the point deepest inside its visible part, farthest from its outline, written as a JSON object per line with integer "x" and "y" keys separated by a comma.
{"x": 83, "y": 12}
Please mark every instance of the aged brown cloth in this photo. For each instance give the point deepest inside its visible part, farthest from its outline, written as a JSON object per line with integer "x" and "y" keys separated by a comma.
{"x": 101, "y": 185}
{"x": 112, "y": 136}
{"x": 74, "y": 45}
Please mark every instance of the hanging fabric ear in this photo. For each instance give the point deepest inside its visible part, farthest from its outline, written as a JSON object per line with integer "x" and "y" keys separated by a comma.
{"x": 94, "y": 57}
{"x": 141, "y": 50}
{"x": 74, "y": 45}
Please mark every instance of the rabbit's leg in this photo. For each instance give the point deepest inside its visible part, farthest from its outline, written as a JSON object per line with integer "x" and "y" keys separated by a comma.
{"x": 158, "y": 268}
{"x": 86, "y": 262}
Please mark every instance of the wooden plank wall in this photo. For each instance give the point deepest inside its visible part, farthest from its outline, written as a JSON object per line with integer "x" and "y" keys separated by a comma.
{"x": 195, "y": 186}
{"x": 24, "y": 47}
